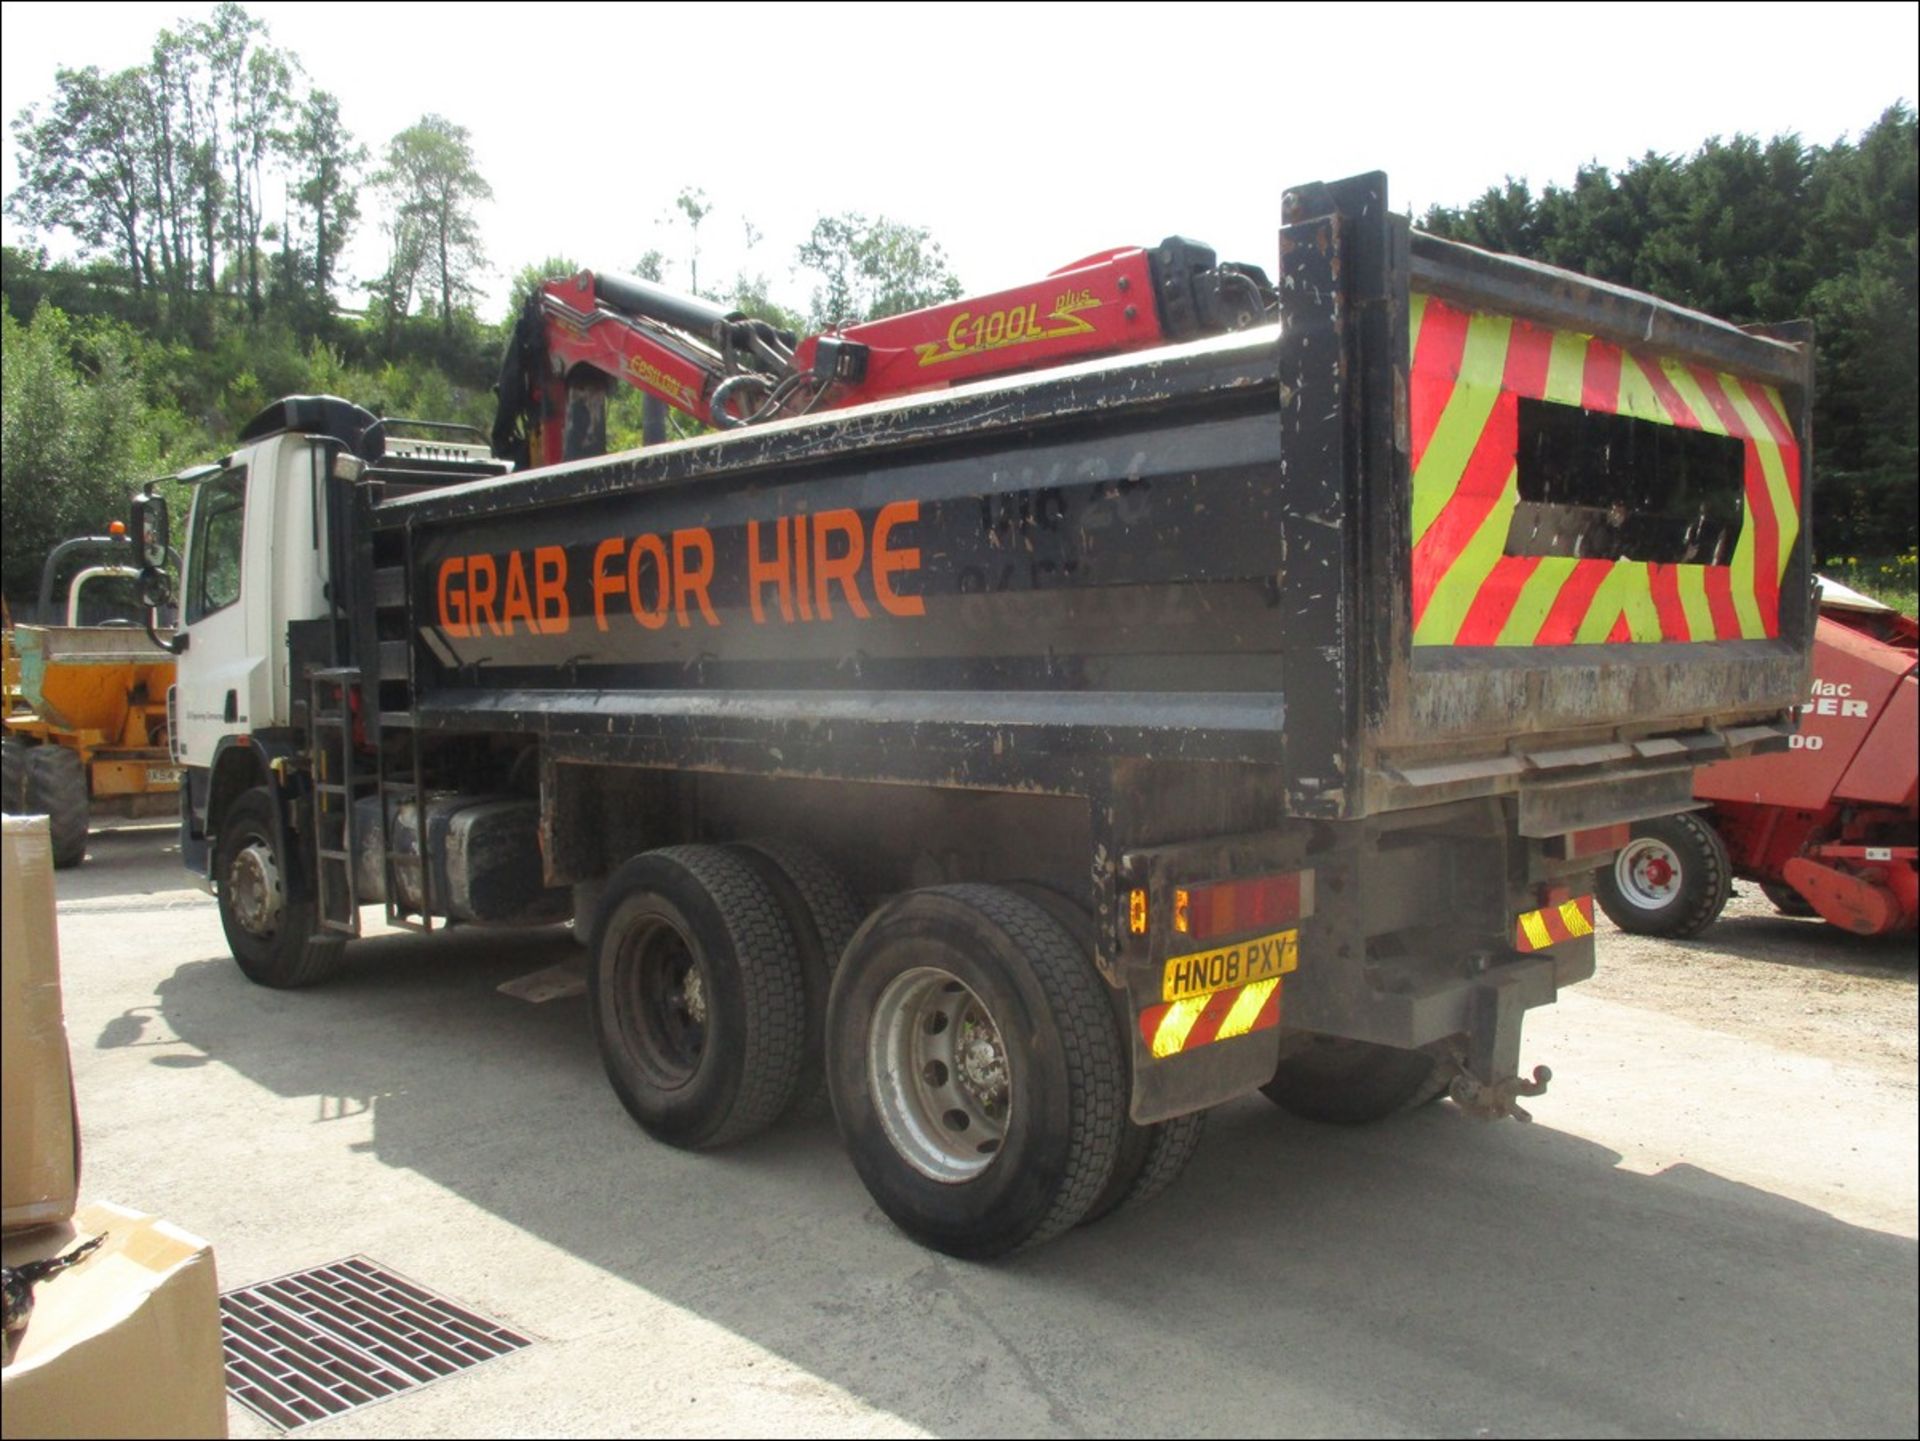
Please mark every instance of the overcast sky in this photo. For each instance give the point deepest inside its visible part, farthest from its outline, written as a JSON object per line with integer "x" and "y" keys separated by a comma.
{"x": 1023, "y": 136}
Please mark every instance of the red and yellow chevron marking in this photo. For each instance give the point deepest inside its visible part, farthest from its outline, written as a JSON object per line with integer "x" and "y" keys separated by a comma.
{"x": 1469, "y": 372}
{"x": 1183, "y": 1025}
{"x": 1550, "y": 925}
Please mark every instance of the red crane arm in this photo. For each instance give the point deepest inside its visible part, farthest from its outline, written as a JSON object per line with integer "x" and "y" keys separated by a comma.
{"x": 725, "y": 370}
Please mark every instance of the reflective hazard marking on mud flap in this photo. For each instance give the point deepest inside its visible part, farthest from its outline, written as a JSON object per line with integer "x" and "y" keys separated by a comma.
{"x": 1550, "y": 925}
{"x": 1191, "y": 1021}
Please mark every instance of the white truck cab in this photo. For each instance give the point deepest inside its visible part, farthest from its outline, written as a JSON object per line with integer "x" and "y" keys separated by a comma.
{"x": 258, "y": 560}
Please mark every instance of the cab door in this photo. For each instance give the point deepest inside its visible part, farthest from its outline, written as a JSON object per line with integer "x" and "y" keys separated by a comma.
{"x": 221, "y": 678}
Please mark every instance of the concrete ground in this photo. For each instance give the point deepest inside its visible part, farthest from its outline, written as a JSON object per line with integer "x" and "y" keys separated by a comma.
{"x": 1709, "y": 1230}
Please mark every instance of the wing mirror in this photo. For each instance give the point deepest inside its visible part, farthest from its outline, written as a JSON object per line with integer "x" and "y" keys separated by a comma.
{"x": 151, "y": 532}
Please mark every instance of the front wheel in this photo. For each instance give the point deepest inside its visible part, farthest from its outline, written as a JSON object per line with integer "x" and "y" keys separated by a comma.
{"x": 270, "y": 932}
{"x": 975, "y": 1070}
{"x": 1672, "y": 878}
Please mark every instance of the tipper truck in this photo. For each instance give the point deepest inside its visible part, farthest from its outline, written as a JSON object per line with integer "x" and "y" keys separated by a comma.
{"x": 1039, "y": 761}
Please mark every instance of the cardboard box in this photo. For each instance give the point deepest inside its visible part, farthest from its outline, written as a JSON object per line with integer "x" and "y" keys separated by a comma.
{"x": 127, "y": 1343}
{"x": 39, "y": 1147}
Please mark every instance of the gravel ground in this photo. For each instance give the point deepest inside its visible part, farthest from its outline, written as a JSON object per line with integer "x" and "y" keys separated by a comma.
{"x": 1800, "y": 985}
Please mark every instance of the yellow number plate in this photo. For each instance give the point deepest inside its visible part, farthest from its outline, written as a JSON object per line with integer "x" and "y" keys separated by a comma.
{"x": 1240, "y": 964}
{"x": 162, "y": 776}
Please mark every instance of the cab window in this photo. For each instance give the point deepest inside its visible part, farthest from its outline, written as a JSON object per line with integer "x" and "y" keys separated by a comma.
{"x": 213, "y": 566}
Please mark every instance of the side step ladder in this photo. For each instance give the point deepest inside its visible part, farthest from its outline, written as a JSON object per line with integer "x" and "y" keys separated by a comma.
{"x": 337, "y": 784}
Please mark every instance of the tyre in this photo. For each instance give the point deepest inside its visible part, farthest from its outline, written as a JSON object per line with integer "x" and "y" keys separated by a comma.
{"x": 1151, "y": 1157}
{"x": 1351, "y": 1083}
{"x": 699, "y": 996}
{"x": 975, "y": 1069}
{"x": 13, "y": 777}
{"x": 272, "y": 935}
{"x": 56, "y": 787}
{"x": 1787, "y": 900}
{"x": 828, "y": 904}
{"x": 1672, "y": 879}
{"x": 823, "y": 913}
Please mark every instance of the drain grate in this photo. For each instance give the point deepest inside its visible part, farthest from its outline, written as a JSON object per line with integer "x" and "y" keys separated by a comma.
{"x": 320, "y": 1343}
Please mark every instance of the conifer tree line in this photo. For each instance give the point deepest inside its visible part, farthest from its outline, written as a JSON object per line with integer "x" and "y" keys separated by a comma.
{"x": 1757, "y": 231}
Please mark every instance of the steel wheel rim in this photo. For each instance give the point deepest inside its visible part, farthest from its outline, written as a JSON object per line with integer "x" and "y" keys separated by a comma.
{"x": 254, "y": 890}
{"x": 940, "y": 1075}
{"x": 662, "y": 1002}
{"x": 1647, "y": 873}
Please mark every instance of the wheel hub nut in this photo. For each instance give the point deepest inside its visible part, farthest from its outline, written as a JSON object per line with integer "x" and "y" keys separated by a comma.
{"x": 983, "y": 1070}
{"x": 694, "y": 992}
{"x": 255, "y": 879}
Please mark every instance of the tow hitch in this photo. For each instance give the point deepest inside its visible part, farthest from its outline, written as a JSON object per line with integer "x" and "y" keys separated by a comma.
{"x": 1490, "y": 1084}
{"x": 1491, "y": 1102}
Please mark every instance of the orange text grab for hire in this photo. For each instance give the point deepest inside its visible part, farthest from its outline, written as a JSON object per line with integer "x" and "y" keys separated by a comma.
{"x": 796, "y": 569}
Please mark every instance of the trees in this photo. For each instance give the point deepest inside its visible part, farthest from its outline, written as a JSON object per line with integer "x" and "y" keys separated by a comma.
{"x": 67, "y": 443}
{"x": 325, "y": 155}
{"x": 246, "y": 101}
{"x": 171, "y": 168}
{"x": 873, "y": 268}
{"x": 433, "y": 183}
{"x": 85, "y": 164}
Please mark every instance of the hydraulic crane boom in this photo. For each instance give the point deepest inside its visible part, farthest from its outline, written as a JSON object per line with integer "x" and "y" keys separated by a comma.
{"x": 726, "y": 369}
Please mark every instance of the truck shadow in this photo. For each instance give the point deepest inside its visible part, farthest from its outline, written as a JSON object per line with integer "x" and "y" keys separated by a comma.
{"x": 1432, "y": 1275}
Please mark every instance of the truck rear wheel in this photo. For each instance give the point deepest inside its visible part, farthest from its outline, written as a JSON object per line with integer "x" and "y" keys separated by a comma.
{"x": 270, "y": 933}
{"x": 1351, "y": 1083}
{"x": 56, "y": 786}
{"x": 823, "y": 913}
{"x": 975, "y": 1069}
{"x": 1672, "y": 879}
{"x": 699, "y": 996}
{"x": 1151, "y": 1157}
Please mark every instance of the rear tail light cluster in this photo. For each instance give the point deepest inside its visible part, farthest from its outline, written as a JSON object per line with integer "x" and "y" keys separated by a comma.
{"x": 1265, "y": 903}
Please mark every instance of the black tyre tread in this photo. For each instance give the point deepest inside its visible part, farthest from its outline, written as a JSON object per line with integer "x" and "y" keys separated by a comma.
{"x": 1356, "y": 1083}
{"x": 1786, "y": 900}
{"x": 1698, "y": 906}
{"x": 1090, "y": 1046}
{"x": 306, "y": 959}
{"x": 776, "y": 994}
{"x": 834, "y": 905}
{"x": 13, "y": 777}
{"x": 1152, "y": 1158}
{"x": 319, "y": 957}
{"x": 824, "y": 912}
{"x": 775, "y": 986}
{"x": 56, "y": 785}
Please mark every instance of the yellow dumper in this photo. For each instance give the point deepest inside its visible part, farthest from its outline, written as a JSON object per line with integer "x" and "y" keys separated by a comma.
{"x": 86, "y": 727}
